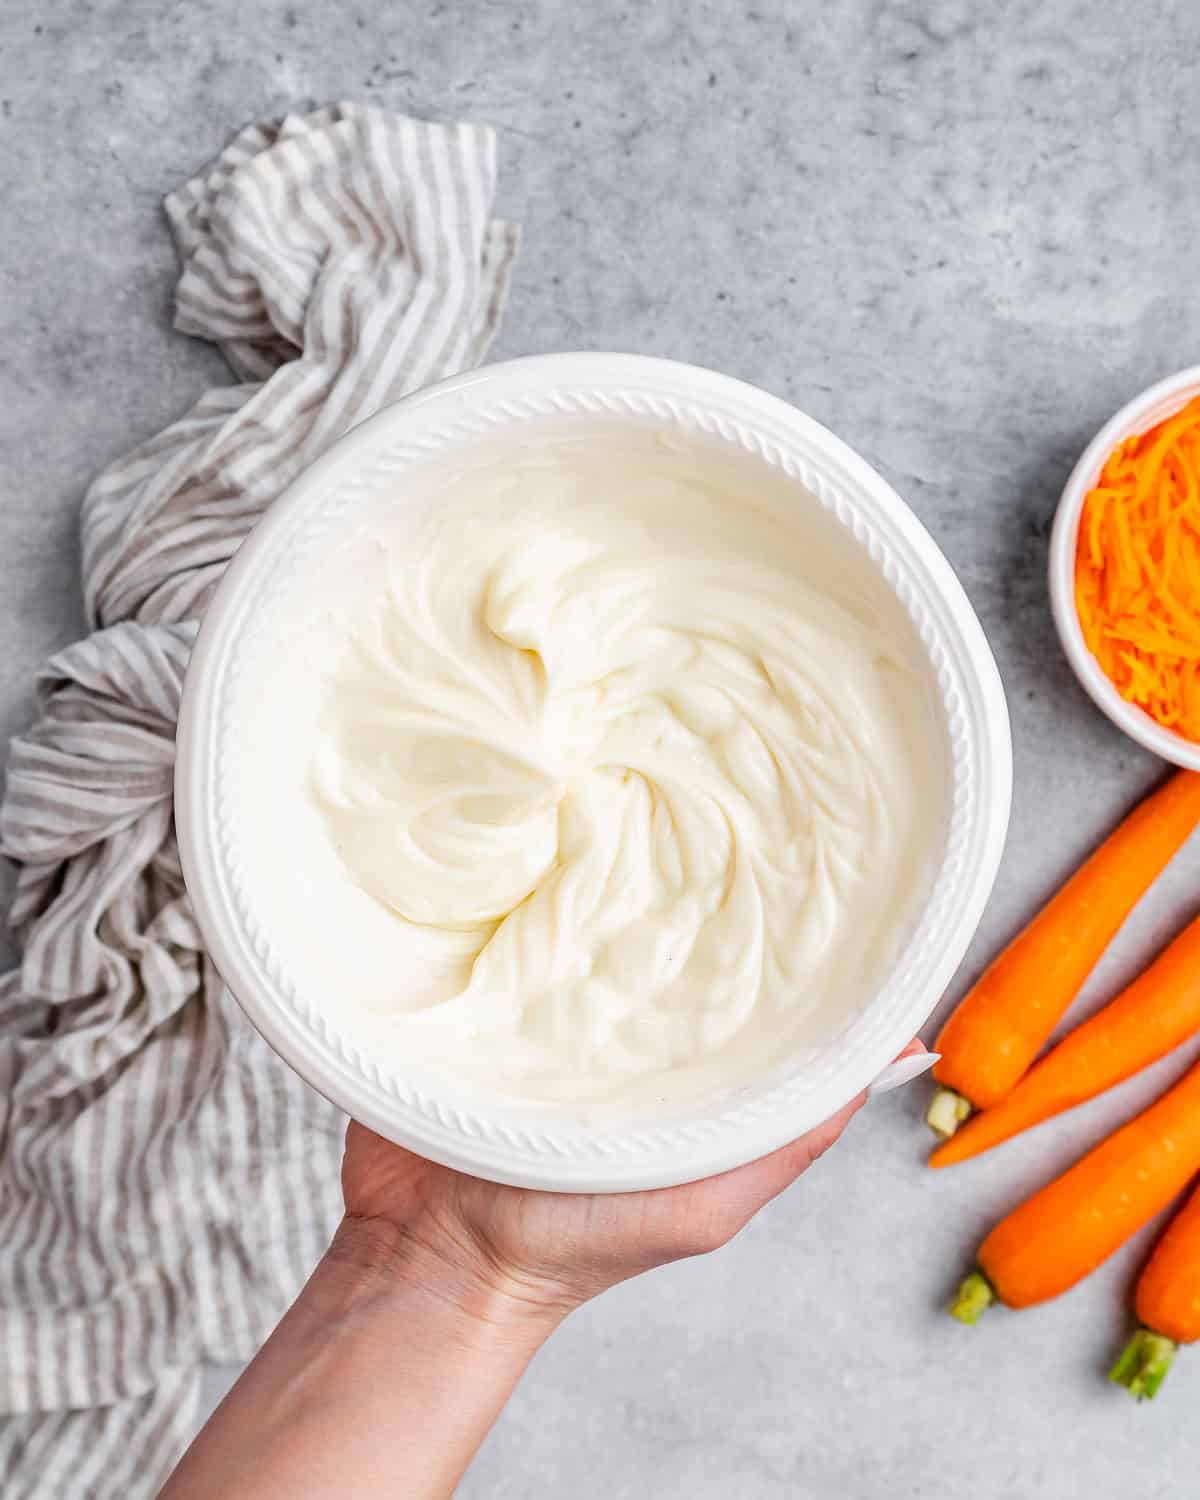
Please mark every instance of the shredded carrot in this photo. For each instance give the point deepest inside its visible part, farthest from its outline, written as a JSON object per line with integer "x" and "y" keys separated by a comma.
{"x": 1137, "y": 570}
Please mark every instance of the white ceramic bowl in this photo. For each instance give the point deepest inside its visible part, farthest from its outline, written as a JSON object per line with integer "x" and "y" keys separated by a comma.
{"x": 426, "y": 1112}
{"x": 1143, "y": 412}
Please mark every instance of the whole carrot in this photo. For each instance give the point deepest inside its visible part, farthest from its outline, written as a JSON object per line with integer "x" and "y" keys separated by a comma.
{"x": 1148, "y": 1019}
{"x": 1168, "y": 1305}
{"x": 999, "y": 1028}
{"x": 1066, "y": 1230}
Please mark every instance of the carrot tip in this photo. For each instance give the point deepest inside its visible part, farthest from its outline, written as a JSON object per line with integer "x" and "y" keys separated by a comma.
{"x": 1144, "y": 1363}
{"x": 974, "y": 1296}
{"x": 946, "y": 1112}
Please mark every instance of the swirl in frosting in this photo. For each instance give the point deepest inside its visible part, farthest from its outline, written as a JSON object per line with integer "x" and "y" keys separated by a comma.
{"x": 641, "y": 764}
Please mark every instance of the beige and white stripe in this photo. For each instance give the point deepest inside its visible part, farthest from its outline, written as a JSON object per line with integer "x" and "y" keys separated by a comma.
{"x": 165, "y": 1182}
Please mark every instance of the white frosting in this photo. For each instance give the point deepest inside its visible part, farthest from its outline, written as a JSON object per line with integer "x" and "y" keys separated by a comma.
{"x": 610, "y": 774}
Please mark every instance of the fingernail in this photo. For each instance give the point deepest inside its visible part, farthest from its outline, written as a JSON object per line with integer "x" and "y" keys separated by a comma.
{"x": 902, "y": 1071}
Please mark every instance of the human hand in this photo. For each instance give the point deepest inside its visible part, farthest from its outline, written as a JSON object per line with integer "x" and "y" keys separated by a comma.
{"x": 541, "y": 1254}
{"x": 400, "y": 1352}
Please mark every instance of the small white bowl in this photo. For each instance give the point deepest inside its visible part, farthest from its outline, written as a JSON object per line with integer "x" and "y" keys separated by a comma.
{"x": 432, "y": 1114}
{"x": 1154, "y": 405}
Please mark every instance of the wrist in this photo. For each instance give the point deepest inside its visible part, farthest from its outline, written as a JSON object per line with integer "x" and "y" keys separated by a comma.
{"x": 377, "y": 1261}
{"x": 386, "y": 1371}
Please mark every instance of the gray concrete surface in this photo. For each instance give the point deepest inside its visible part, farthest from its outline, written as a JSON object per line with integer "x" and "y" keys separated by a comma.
{"x": 958, "y": 234}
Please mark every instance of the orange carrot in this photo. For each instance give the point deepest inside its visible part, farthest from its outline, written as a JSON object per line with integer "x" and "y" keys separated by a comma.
{"x": 1066, "y": 1230}
{"x": 998, "y": 1030}
{"x": 1168, "y": 1305}
{"x": 1153, "y": 1016}
{"x": 1137, "y": 570}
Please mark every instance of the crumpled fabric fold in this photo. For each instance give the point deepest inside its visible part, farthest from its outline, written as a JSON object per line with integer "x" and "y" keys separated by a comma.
{"x": 166, "y": 1182}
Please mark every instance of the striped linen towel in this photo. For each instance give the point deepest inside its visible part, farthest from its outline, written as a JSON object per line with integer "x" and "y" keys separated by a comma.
{"x": 166, "y": 1183}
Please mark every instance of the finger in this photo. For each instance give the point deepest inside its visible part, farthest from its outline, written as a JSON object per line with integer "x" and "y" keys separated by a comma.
{"x": 914, "y": 1047}
{"x": 782, "y": 1167}
{"x": 743, "y": 1191}
{"x": 786, "y": 1164}
{"x": 911, "y": 1063}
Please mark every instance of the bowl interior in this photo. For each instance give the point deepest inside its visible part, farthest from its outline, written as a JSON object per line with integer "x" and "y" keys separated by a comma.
{"x": 278, "y": 705}
{"x": 285, "y": 976}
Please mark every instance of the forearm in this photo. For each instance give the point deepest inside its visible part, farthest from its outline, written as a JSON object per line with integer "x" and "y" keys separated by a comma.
{"x": 383, "y": 1378}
